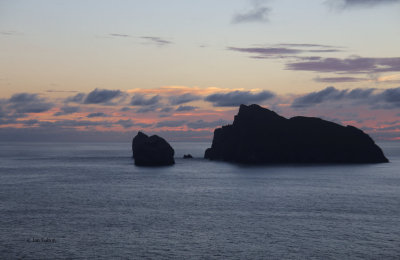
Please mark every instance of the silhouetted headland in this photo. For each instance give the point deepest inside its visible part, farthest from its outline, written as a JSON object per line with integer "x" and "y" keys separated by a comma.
{"x": 152, "y": 151}
{"x": 260, "y": 136}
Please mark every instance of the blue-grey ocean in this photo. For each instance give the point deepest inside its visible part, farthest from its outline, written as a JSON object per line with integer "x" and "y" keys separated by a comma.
{"x": 89, "y": 201}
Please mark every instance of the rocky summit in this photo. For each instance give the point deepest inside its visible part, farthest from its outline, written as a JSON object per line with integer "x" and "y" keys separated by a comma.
{"x": 259, "y": 136}
{"x": 152, "y": 151}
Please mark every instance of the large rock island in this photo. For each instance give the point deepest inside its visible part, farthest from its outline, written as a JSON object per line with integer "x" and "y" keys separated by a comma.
{"x": 152, "y": 151}
{"x": 260, "y": 136}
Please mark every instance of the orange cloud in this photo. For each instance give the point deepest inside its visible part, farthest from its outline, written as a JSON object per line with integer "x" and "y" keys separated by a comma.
{"x": 389, "y": 78}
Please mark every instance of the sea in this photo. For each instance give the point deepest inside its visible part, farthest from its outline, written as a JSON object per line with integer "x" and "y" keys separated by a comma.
{"x": 89, "y": 201}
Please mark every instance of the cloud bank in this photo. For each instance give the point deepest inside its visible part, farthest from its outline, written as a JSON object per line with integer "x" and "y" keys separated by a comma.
{"x": 368, "y": 107}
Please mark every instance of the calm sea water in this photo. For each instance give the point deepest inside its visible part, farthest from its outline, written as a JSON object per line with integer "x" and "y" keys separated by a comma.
{"x": 83, "y": 201}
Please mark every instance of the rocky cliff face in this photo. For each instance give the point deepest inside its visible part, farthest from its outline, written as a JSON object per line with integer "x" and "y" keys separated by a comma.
{"x": 152, "y": 151}
{"x": 259, "y": 135}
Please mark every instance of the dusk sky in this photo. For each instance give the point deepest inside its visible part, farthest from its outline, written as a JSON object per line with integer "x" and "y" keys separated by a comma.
{"x": 102, "y": 69}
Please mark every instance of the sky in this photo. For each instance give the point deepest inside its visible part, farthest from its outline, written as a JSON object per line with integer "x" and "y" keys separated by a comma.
{"x": 101, "y": 70}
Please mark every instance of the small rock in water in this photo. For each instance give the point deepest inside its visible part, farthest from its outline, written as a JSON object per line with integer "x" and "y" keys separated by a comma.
{"x": 152, "y": 151}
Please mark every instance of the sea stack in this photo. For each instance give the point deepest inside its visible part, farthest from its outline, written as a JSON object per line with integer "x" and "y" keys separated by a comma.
{"x": 261, "y": 136}
{"x": 152, "y": 151}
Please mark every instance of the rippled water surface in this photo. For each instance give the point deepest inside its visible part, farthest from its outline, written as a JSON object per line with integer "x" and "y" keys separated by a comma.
{"x": 80, "y": 201}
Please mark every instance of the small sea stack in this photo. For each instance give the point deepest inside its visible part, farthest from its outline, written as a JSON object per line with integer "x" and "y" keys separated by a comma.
{"x": 152, "y": 151}
{"x": 261, "y": 136}
{"x": 187, "y": 156}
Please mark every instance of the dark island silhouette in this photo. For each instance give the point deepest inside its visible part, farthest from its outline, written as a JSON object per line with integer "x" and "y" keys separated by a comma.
{"x": 260, "y": 136}
{"x": 152, "y": 151}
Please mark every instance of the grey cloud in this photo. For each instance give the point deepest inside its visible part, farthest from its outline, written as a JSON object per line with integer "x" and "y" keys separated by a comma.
{"x": 141, "y": 100}
{"x": 124, "y": 109}
{"x": 7, "y": 121}
{"x": 119, "y": 35}
{"x": 309, "y": 58}
{"x": 75, "y": 123}
{"x": 9, "y": 33}
{"x": 129, "y": 123}
{"x": 286, "y": 50}
{"x": 397, "y": 122}
{"x": 390, "y": 128}
{"x": 99, "y": 96}
{"x": 185, "y": 108}
{"x": 60, "y": 91}
{"x": 8, "y": 114}
{"x": 144, "y": 125}
{"x": 12, "y": 118}
{"x": 374, "y": 98}
{"x": 66, "y": 110}
{"x": 156, "y": 40}
{"x": 391, "y": 97}
{"x": 267, "y": 51}
{"x": 237, "y": 98}
{"x": 324, "y": 50}
{"x": 166, "y": 109}
{"x": 147, "y": 109}
{"x": 184, "y": 98}
{"x": 338, "y": 79}
{"x": 200, "y": 124}
{"x": 307, "y": 45}
{"x": 171, "y": 123}
{"x": 29, "y": 122}
{"x": 331, "y": 94}
{"x": 362, "y": 3}
{"x": 258, "y": 14}
{"x": 125, "y": 123}
{"x": 349, "y": 65}
{"x": 23, "y": 98}
{"x": 360, "y": 93}
{"x": 3, "y": 113}
{"x": 318, "y": 97}
{"x": 78, "y": 98}
{"x": 97, "y": 114}
{"x": 29, "y": 103}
